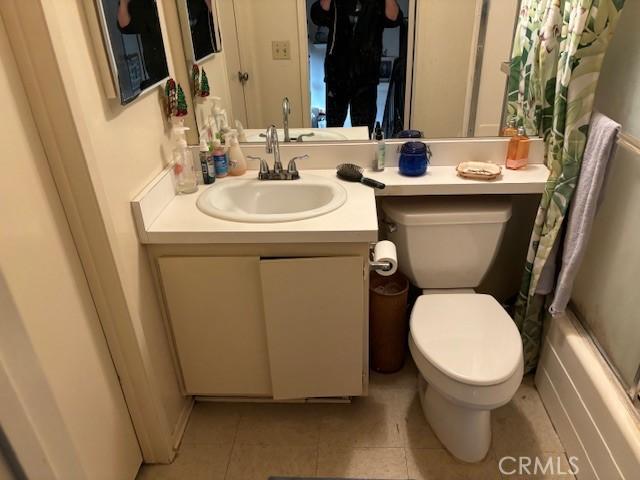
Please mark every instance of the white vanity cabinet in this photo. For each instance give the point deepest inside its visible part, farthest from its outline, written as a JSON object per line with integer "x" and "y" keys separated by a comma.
{"x": 214, "y": 307}
{"x": 267, "y": 326}
{"x": 314, "y": 317}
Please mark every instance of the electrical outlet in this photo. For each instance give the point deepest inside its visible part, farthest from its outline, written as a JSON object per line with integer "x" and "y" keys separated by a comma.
{"x": 281, "y": 50}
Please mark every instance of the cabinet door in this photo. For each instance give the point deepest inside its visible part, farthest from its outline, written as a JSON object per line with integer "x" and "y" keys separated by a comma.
{"x": 215, "y": 310}
{"x": 314, "y": 315}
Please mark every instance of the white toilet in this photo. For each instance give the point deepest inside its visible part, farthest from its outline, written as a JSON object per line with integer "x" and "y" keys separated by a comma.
{"x": 467, "y": 348}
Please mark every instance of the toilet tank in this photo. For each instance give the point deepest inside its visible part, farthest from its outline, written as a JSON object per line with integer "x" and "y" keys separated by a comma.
{"x": 446, "y": 242}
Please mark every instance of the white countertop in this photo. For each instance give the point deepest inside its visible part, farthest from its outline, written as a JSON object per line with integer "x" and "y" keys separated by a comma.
{"x": 443, "y": 180}
{"x": 163, "y": 217}
{"x": 182, "y": 222}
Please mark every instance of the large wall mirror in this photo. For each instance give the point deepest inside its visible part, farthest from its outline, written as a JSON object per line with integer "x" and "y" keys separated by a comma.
{"x": 133, "y": 37}
{"x": 434, "y": 66}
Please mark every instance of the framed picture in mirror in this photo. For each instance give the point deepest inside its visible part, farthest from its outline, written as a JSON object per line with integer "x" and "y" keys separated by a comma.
{"x": 134, "y": 45}
{"x": 200, "y": 29}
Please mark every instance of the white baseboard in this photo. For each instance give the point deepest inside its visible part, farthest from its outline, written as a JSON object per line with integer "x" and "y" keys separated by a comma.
{"x": 183, "y": 420}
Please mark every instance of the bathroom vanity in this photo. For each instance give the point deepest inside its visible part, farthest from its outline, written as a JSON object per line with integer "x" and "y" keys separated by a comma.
{"x": 269, "y": 310}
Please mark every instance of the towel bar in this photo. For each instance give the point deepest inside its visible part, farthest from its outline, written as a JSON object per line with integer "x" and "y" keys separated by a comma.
{"x": 629, "y": 142}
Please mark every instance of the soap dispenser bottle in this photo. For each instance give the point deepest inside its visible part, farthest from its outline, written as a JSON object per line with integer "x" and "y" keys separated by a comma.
{"x": 242, "y": 136}
{"x": 237, "y": 162}
{"x": 219, "y": 115}
{"x": 185, "y": 175}
{"x": 518, "y": 151}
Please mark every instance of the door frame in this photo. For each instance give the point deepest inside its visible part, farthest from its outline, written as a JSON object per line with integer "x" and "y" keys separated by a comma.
{"x": 474, "y": 71}
{"x": 231, "y": 46}
{"x": 244, "y": 61}
{"x": 411, "y": 41}
{"x": 64, "y": 134}
{"x": 28, "y": 410}
{"x": 303, "y": 46}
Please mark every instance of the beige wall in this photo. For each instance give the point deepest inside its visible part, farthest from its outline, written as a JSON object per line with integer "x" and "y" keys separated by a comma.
{"x": 618, "y": 94}
{"x": 605, "y": 292}
{"x": 217, "y": 72}
{"x": 216, "y": 68}
{"x": 493, "y": 82}
{"x": 444, "y": 33}
{"x": 46, "y": 302}
{"x": 127, "y": 147}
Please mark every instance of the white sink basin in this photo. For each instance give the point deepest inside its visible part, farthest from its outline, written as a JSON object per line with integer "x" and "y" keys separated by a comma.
{"x": 264, "y": 201}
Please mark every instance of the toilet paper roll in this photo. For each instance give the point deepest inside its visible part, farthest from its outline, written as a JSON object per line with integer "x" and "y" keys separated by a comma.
{"x": 385, "y": 251}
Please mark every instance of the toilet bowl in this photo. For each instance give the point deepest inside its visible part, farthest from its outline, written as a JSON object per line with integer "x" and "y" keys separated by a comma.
{"x": 469, "y": 353}
{"x": 466, "y": 347}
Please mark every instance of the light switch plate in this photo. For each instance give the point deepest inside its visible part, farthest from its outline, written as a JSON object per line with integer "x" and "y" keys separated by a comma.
{"x": 281, "y": 49}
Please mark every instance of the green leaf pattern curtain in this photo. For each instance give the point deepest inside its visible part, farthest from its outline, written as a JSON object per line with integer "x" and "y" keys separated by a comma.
{"x": 558, "y": 51}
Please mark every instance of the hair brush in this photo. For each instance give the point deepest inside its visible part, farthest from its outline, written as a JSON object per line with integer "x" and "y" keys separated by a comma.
{"x": 353, "y": 173}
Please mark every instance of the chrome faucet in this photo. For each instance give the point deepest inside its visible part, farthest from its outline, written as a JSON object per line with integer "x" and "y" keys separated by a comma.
{"x": 273, "y": 146}
{"x": 286, "y": 111}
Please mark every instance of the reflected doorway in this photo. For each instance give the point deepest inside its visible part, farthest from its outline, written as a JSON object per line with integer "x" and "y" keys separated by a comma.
{"x": 390, "y": 83}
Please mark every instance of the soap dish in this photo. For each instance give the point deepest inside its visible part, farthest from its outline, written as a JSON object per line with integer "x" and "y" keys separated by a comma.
{"x": 479, "y": 170}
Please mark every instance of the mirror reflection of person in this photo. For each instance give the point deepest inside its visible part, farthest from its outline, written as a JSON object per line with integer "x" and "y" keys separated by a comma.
{"x": 140, "y": 17}
{"x": 354, "y": 53}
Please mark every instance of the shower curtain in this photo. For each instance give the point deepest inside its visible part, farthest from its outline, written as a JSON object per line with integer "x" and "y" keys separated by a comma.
{"x": 558, "y": 50}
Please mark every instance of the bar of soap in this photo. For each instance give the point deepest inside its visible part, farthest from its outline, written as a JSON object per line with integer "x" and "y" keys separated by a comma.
{"x": 479, "y": 170}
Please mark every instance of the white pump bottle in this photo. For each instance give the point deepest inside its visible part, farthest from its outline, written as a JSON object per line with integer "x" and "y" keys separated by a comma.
{"x": 220, "y": 116}
{"x": 237, "y": 162}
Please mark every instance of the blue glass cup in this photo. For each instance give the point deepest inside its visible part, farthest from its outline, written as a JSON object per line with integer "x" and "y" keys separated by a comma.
{"x": 414, "y": 159}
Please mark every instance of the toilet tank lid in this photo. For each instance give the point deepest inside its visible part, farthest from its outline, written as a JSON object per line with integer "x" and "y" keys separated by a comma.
{"x": 435, "y": 210}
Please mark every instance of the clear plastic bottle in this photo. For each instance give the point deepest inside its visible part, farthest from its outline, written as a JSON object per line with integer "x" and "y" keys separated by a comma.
{"x": 186, "y": 179}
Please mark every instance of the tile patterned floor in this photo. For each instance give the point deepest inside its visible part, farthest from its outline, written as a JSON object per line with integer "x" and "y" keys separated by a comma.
{"x": 383, "y": 436}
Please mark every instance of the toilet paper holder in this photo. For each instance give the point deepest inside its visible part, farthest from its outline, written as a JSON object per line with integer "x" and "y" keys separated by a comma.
{"x": 385, "y": 266}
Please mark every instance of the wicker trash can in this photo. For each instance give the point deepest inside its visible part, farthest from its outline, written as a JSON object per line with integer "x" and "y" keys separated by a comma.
{"x": 388, "y": 325}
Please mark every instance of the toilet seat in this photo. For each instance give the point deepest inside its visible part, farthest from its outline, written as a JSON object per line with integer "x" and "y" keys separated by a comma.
{"x": 467, "y": 337}
{"x": 469, "y": 354}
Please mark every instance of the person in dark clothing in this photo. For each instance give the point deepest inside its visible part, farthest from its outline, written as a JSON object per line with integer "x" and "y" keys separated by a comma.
{"x": 354, "y": 52}
{"x": 140, "y": 17}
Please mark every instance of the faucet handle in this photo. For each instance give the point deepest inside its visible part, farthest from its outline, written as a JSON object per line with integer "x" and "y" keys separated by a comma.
{"x": 300, "y": 138}
{"x": 292, "y": 168}
{"x": 264, "y": 166}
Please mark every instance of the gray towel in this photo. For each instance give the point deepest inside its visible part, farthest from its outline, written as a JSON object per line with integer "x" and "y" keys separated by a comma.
{"x": 603, "y": 133}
